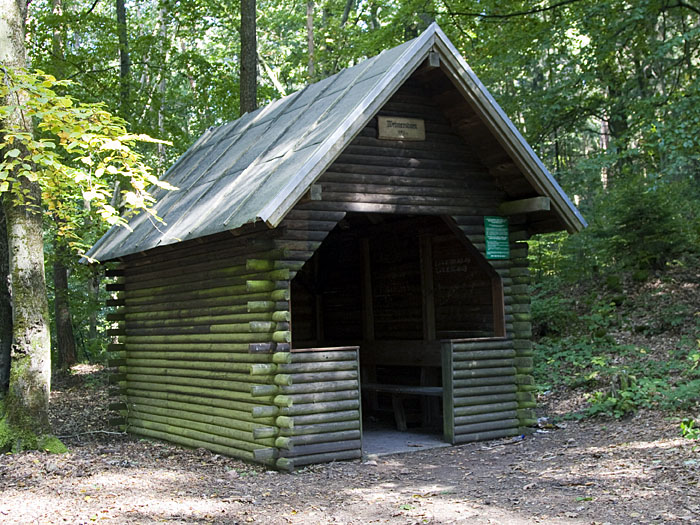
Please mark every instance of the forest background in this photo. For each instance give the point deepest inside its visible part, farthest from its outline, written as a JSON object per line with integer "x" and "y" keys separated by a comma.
{"x": 607, "y": 92}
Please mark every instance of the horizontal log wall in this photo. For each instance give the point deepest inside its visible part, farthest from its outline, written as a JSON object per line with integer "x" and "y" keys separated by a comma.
{"x": 515, "y": 277}
{"x": 323, "y": 421}
{"x": 438, "y": 176}
{"x": 480, "y": 388}
{"x": 203, "y": 330}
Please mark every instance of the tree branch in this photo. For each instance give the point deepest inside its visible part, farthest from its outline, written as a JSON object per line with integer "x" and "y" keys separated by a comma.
{"x": 92, "y": 7}
{"x": 516, "y": 13}
{"x": 686, "y": 6}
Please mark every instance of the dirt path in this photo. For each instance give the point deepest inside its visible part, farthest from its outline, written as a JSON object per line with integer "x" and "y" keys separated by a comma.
{"x": 634, "y": 471}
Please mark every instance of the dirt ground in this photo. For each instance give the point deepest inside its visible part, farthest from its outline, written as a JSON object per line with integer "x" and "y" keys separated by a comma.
{"x": 632, "y": 471}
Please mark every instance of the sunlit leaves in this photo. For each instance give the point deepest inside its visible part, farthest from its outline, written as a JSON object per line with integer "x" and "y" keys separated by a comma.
{"x": 80, "y": 155}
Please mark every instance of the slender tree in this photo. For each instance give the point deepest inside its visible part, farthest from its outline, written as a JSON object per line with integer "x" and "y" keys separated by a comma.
{"x": 27, "y": 399}
{"x": 249, "y": 55}
{"x": 5, "y": 307}
{"x": 124, "y": 62}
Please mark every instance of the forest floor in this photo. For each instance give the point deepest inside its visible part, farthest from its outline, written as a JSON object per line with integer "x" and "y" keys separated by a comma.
{"x": 636, "y": 470}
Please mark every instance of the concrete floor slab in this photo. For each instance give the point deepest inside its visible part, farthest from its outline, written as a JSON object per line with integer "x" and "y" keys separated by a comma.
{"x": 380, "y": 441}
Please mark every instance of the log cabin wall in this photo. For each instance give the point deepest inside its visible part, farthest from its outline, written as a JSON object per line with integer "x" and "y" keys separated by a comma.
{"x": 203, "y": 328}
{"x": 440, "y": 176}
{"x": 204, "y": 336}
{"x": 322, "y": 422}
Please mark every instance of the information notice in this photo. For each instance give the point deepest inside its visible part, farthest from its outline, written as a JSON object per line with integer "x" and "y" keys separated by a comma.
{"x": 497, "y": 243}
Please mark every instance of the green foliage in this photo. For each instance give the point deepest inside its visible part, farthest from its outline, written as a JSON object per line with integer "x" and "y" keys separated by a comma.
{"x": 689, "y": 429}
{"x": 645, "y": 224}
{"x": 81, "y": 152}
{"x": 620, "y": 378}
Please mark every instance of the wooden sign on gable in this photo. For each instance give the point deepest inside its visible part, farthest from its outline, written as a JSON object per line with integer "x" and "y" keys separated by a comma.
{"x": 400, "y": 128}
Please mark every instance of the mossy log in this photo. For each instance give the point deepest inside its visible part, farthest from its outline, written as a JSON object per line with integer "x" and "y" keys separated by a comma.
{"x": 320, "y": 428}
{"x": 323, "y": 366}
{"x": 486, "y": 426}
{"x": 486, "y": 436}
{"x": 332, "y": 355}
{"x": 263, "y": 369}
{"x": 187, "y": 441}
{"x": 303, "y": 409}
{"x": 282, "y": 336}
{"x": 485, "y": 409}
{"x": 242, "y": 337}
{"x": 325, "y": 437}
{"x": 482, "y": 381}
{"x": 313, "y": 419}
{"x": 231, "y": 353}
{"x": 261, "y": 306}
{"x": 190, "y": 438}
{"x": 238, "y": 400}
{"x": 320, "y": 387}
{"x": 282, "y": 358}
{"x": 191, "y": 295}
{"x": 484, "y": 390}
{"x": 322, "y": 377}
{"x": 484, "y": 400}
{"x": 266, "y": 454}
{"x": 289, "y": 464}
{"x": 461, "y": 421}
{"x": 244, "y": 379}
{"x": 320, "y": 397}
{"x": 185, "y": 283}
{"x": 242, "y": 410}
{"x": 484, "y": 372}
{"x": 264, "y": 390}
{"x": 237, "y": 371}
{"x": 187, "y": 313}
{"x": 265, "y": 412}
{"x": 483, "y": 345}
{"x": 323, "y": 448}
{"x": 238, "y": 419}
{"x": 483, "y": 363}
{"x": 240, "y": 390}
{"x": 203, "y": 423}
{"x": 265, "y": 432}
{"x": 283, "y": 442}
{"x": 225, "y": 319}
{"x": 284, "y": 422}
{"x": 484, "y": 355}
{"x": 159, "y": 308}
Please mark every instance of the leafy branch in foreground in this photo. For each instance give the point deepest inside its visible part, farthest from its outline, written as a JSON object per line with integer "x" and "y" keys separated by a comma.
{"x": 81, "y": 155}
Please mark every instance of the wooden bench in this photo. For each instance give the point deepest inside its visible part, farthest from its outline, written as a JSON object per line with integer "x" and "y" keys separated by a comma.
{"x": 398, "y": 394}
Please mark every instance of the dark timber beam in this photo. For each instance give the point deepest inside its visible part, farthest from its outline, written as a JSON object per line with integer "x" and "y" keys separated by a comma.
{"x": 531, "y": 205}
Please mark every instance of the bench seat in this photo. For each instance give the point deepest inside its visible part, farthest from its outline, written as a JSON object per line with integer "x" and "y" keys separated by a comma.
{"x": 398, "y": 393}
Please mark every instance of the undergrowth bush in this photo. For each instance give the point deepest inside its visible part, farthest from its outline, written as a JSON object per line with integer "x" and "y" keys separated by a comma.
{"x": 620, "y": 379}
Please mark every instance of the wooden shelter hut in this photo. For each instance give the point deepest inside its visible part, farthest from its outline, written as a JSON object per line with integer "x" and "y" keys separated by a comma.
{"x": 354, "y": 247}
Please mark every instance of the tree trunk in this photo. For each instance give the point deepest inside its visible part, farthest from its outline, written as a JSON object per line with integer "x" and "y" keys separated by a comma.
{"x": 249, "y": 58}
{"x": 27, "y": 399}
{"x": 310, "y": 37}
{"x": 65, "y": 339}
{"x": 93, "y": 300}
{"x": 163, "y": 33}
{"x": 5, "y": 308}
{"x": 124, "y": 62}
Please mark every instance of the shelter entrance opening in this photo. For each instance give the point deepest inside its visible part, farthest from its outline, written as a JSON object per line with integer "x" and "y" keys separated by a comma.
{"x": 396, "y": 285}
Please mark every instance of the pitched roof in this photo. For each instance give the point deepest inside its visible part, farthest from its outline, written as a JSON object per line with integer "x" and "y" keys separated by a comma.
{"x": 257, "y": 167}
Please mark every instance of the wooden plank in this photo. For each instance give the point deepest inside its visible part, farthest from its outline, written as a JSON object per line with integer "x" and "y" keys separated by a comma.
{"x": 530, "y": 205}
{"x": 448, "y": 407}
{"x": 428, "y": 287}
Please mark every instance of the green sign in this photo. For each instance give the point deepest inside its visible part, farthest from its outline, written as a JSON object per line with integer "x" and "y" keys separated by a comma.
{"x": 497, "y": 245}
